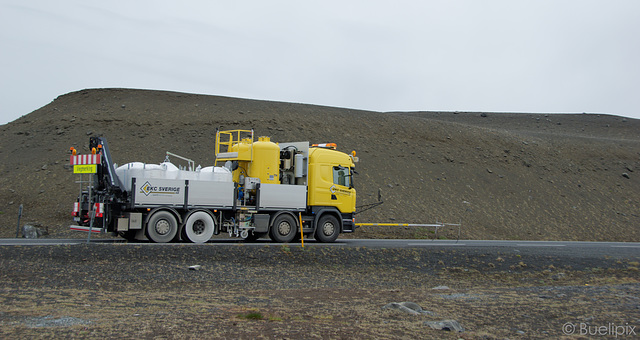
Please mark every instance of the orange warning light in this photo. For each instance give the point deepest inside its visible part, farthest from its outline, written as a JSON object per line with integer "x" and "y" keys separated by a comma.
{"x": 326, "y": 145}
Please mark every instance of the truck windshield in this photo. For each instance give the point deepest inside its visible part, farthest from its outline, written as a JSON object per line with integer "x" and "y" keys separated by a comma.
{"x": 342, "y": 176}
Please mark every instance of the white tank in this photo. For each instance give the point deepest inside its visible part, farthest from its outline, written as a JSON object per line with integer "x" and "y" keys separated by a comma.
{"x": 216, "y": 174}
{"x": 128, "y": 171}
{"x": 168, "y": 170}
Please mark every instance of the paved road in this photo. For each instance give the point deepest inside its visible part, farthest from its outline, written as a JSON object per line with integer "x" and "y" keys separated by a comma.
{"x": 574, "y": 249}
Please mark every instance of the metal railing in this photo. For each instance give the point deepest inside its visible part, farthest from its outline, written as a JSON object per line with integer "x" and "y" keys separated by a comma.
{"x": 228, "y": 138}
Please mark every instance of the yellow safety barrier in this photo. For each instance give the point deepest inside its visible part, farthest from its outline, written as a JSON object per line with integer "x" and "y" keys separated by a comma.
{"x": 436, "y": 225}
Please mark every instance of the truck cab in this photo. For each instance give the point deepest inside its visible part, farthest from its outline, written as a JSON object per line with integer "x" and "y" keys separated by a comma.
{"x": 322, "y": 172}
{"x": 330, "y": 182}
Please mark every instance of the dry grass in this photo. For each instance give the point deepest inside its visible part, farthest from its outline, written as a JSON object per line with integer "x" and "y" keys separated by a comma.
{"x": 246, "y": 292}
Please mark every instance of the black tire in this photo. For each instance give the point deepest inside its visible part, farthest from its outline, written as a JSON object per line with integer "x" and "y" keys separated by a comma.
{"x": 129, "y": 235}
{"x": 296, "y": 237}
{"x": 327, "y": 229}
{"x": 162, "y": 227}
{"x": 284, "y": 229}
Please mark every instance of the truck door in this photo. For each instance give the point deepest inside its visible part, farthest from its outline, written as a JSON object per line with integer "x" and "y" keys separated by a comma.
{"x": 342, "y": 191}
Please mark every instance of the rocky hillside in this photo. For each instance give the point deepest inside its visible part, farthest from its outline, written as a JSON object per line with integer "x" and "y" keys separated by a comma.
{"x": 504, "y": 176}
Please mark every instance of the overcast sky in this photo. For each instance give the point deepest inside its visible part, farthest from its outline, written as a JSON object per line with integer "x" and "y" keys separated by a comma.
{"x": 449, "y": 55}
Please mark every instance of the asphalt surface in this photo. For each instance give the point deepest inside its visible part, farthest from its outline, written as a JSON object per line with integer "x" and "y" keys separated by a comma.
{"x": 571, "y": 249}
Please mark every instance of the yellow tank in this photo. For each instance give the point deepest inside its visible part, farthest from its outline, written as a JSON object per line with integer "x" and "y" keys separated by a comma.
{"x": 266, "y": 161}
{"x": 243, "y": 148}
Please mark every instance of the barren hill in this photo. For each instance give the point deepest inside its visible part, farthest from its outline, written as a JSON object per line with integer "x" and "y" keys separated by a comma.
{"x": 505, "y": 176}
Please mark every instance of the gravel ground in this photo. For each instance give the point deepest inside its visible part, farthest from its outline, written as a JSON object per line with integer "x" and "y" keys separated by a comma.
{"x": 239, "y": 291}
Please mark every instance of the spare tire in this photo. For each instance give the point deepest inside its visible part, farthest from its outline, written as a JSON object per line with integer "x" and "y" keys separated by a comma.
{"x": 199, "y": 227}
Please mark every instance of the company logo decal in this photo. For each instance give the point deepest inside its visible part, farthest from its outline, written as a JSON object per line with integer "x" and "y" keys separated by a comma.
{"x": 148, "y": 189}
{"x": 334, "y": 190}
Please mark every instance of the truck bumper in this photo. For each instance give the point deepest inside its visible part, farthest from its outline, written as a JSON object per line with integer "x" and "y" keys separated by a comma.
{"x": 348, "y": 223}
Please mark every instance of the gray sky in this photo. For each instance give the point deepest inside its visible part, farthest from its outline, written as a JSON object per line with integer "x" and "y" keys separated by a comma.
{"x": 449, "y": 55}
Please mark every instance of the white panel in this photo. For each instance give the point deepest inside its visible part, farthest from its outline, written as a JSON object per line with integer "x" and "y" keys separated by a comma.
{"x": 210, "y": 194}
{"x": 280, "y": 196}
{"x": 154, "y": 191}
{"x": 135, "y": 220}
{"x": 225, "y": 155}
{"x": 123, "y": 224}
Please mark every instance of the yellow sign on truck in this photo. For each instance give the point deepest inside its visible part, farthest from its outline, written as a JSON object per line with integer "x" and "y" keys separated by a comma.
{"x": 85, "y": 169}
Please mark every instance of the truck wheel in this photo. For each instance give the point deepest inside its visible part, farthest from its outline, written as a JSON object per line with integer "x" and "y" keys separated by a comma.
{"x": 162, "y": 227}
{"x": 199, "y": 227}
{"x": 283, "y": 229}
{"x": 328, "y": 229}
{"x": 129, "y": 235}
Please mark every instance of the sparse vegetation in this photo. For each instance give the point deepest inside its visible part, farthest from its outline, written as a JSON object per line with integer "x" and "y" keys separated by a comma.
{"x": 323, "y": 292}
{"x": 251, "y": 316}
{"x": 285, "y": 249}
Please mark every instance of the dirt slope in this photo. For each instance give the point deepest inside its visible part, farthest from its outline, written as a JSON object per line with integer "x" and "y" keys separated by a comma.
{"x": 505, "y": 176}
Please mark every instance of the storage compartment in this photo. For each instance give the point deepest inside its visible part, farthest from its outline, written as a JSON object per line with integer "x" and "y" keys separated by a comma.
{"x": 261, "y": 223}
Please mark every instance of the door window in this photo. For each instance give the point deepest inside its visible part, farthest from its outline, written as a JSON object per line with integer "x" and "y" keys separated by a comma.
{"x": 341, "y": 176}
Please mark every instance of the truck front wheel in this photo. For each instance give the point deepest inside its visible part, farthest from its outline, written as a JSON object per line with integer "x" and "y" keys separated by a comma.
{"x": 328, "y": 229}
{"x": 283, "y": 229}
{"x": 162, "y": 227}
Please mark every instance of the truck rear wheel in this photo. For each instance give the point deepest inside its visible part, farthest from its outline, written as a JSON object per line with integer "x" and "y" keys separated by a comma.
{"x": 328, "y": 229}
{"x": 199, "y": 227}
{"x": 283, "y": 229}
{"x": 129, "y": 235}
{"x": 162, "y": 227}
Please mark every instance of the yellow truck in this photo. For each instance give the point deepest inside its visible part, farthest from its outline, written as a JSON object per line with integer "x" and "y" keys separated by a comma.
{"x": 255, "y": 188}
